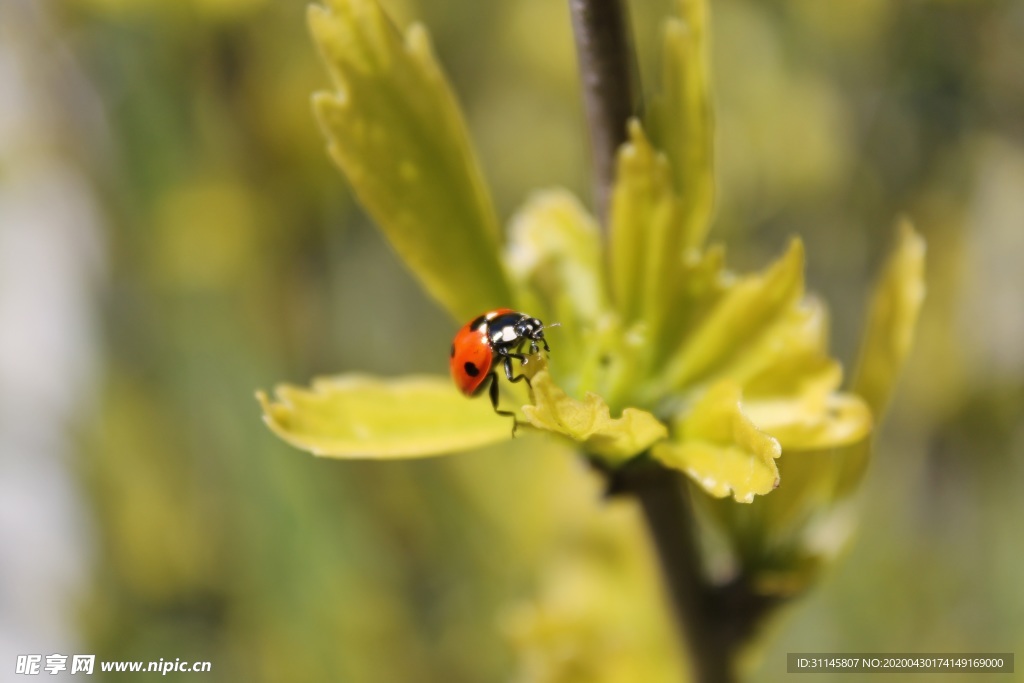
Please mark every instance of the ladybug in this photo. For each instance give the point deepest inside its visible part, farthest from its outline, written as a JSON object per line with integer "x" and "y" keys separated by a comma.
{"x": 500, "y": 333}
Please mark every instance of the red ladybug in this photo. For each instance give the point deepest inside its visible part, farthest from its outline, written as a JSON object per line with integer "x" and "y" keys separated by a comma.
{"x": 500, "y": 333}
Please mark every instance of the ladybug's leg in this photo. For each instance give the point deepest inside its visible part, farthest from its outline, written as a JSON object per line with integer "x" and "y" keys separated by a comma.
{"x": 534, "y": 347}
{"x": 508, "y": 369}
{"x": 493, "y": 393}
{"x": 507, "y": 362}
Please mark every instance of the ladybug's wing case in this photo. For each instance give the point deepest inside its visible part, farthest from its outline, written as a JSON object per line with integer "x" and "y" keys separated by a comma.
{"x": 471, "y": 359}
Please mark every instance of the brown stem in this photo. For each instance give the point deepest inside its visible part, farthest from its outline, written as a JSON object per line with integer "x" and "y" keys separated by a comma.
{"x": 607, "y": 70}
{"x": 716, "y": 619}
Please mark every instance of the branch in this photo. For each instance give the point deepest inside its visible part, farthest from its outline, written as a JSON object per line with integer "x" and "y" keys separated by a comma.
{"x": 607, "y": 70}
{"x": 717, "y": 620}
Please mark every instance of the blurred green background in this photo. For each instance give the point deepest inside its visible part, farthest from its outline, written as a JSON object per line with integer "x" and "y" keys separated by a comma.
{"x": 173, "y": 237}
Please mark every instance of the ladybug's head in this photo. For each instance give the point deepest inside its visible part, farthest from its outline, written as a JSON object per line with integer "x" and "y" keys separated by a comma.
{"x": 530, "y": 328}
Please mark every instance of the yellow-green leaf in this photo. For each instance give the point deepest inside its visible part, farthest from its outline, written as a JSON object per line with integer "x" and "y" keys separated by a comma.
{"x": 792, "y": 354}
{"x": 589, "y": 422}
{"x": 643, "y": 228}
{"x": 355, "y": 416}
{"x": 812, "y": 421}
{"x": 721, "y": 449}
{"x": 396, "y": 130}
{"x": 684, "y": 119}
{"x": 891, "y": 320}
{"x": 749, "y": 310}
{"x": 693, "y": 292}
{"x": 790, "y": 385}
{"x": 555, "y": 258}
{"x": 554, "y": 252}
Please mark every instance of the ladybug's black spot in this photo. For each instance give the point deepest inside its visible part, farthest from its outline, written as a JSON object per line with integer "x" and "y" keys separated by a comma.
{"x": 477, "y": 322}
{"x": 453, "y": 351}
{"x": 471, "y": 369}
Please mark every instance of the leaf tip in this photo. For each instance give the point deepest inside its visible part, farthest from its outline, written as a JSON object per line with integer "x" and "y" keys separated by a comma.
{"x": 795, "y": 250}
{"x": 635, "y": 130}
{"x": 417, "y": 42}
{"x": 912, "y": 248}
